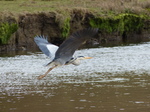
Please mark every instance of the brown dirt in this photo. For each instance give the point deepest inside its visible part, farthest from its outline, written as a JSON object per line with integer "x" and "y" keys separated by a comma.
{"x": 31, "y": 25}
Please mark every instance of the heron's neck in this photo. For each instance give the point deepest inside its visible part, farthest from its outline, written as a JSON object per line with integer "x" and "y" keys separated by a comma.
{"x": 70, "y": 61}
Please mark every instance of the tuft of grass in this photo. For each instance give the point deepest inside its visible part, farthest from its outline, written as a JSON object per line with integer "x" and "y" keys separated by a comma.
{"x": 66, "y": 28}
{"x": 6, "y": 30}
{"x": 63, "y": 19}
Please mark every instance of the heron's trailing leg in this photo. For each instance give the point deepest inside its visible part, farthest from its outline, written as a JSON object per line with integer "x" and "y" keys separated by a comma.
{"x": 41, "y": 76}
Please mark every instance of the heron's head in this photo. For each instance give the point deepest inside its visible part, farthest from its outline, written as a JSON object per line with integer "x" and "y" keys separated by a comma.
{"x": 76, "y": 61}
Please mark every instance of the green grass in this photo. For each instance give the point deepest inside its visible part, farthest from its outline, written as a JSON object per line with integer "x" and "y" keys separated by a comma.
{"x": 110, "y": 15}
{"x": 6, "y": 30}
{"x": 103, "y": 7}
{"x": 66, "y": 28}
{"x": 122, "y": 23}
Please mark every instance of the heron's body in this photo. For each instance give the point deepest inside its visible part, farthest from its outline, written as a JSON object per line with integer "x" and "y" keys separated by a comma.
{"x": 63, "y": 55}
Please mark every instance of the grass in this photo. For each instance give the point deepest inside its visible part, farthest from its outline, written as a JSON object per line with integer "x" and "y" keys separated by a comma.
{"x": 122, "y": 23}
{"x": 110, "y": 15}
{"x": 102, "y": 7}
{"x": 6, "y": 30}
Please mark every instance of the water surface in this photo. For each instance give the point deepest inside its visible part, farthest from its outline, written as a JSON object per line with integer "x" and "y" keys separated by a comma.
{"x": 116, "y": 79}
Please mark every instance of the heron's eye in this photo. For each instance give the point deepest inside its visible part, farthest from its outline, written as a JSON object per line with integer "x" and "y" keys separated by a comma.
{"x": 71, "y": 58}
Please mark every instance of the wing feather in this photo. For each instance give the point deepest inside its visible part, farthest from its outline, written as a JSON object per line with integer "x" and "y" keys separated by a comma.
{"x": 68, "y": 47}
{"x": 47, "y": 48}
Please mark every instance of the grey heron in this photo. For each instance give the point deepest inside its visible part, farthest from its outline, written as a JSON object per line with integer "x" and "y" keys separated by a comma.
{"x": 63, "y": 55}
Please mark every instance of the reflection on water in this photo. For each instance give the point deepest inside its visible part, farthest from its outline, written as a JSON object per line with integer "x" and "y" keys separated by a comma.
{"x": 116, "y": 79}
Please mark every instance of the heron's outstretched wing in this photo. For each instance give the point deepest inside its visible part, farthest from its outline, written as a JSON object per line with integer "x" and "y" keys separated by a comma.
{"x": 68, "y": 47}
{"x": 46, "y": 47}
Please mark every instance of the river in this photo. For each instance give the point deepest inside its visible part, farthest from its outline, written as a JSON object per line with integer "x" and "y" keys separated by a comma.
{"x": 116, "y": 79}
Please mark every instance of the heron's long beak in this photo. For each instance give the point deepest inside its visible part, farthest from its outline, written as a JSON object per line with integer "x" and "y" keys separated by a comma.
{"x": 88, "y": 57}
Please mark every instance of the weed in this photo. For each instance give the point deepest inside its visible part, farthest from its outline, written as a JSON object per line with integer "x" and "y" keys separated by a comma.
{"x": 66, "y": 28}
{"x": 122, "y": 23}
{"x": 6, "y": 30}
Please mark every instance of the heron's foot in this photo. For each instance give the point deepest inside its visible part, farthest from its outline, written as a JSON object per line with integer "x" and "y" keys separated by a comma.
{"x": 41, "y": 76}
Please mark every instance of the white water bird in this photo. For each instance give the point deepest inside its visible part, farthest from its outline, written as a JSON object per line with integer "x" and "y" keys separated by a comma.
{"x": 63, "y": 55}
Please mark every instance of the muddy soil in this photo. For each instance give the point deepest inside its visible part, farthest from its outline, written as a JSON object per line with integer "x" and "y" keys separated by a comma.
{"x": 49, "y": 24}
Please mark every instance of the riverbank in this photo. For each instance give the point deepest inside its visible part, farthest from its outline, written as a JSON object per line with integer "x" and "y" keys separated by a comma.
{"x": 118, "y": 21}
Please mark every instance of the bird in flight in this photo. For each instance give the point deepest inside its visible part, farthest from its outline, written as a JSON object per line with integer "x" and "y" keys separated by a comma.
{"x": 63, "y": 55}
